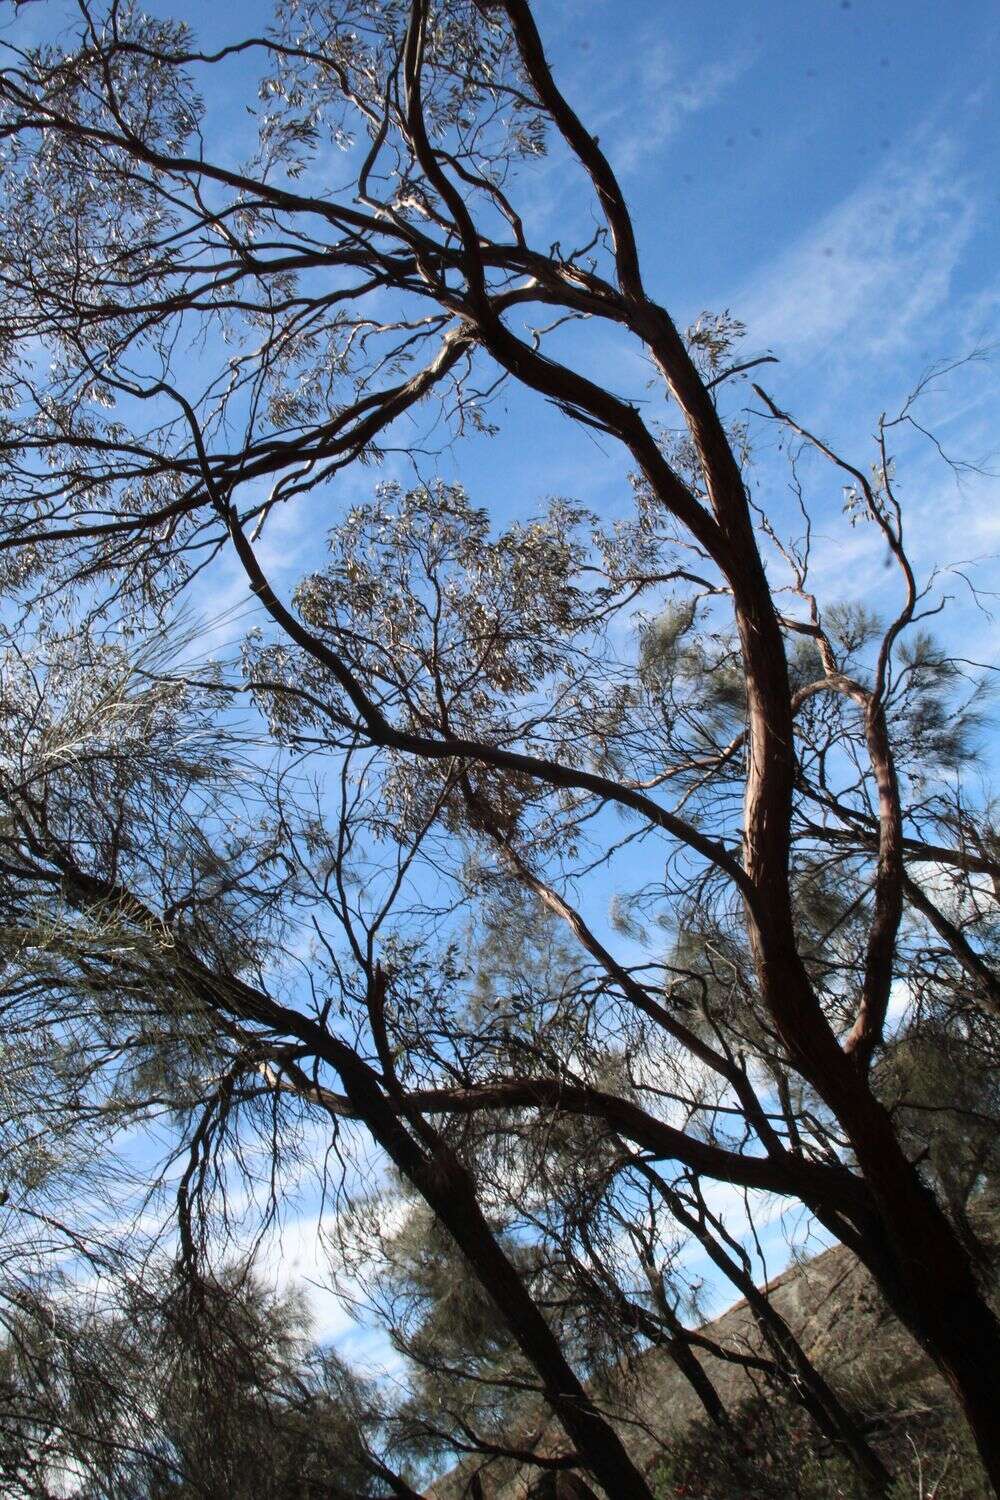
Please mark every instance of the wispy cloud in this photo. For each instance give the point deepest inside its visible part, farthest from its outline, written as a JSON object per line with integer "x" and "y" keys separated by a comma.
{"x": 657, "y": 96}
{"x": 866, "y": 277}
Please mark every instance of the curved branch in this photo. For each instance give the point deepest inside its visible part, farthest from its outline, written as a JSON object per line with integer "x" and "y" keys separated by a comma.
{"x": 866, "y": 1033}
{"x": 787, "y": 1176}
{"x": 452, "y": 747}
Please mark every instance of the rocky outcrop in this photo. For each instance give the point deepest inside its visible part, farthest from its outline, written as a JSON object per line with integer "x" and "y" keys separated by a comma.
{"x": 834, "y": 1311}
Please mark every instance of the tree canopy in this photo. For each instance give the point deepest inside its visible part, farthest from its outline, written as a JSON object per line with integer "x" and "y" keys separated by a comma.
{"x": 335, "y": 902}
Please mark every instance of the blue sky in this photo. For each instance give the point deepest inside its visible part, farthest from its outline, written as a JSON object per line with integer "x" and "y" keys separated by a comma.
{"x": 826, "y": 170}
{"x": 829, "y": 172}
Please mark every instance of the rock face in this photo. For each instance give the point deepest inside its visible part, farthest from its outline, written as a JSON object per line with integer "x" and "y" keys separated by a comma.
{"x": 834, "y": 1311}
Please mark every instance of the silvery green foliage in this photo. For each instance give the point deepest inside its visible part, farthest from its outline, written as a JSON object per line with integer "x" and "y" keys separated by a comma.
{"x": 541, "y": 860}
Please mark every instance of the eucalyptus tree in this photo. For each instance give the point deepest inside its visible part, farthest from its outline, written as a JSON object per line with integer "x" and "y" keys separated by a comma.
{"x": 192, "y": 347}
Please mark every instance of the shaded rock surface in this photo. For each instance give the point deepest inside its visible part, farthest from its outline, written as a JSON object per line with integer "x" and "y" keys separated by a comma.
{"x": 835, "y": 1312}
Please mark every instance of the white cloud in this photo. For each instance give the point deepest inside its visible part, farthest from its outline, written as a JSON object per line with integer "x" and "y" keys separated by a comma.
{"x": 659, "y": 96}
{"x": 297, "y": 1259}
{"x": 867, "y": 275}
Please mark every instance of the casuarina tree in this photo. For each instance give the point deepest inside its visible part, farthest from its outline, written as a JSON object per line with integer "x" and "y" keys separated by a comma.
{"x": 350, "y": 885}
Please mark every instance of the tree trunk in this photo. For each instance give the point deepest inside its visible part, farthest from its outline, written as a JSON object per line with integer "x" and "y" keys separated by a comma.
{"x": 937, "y": 1292}
{"x": 444, "y": 1184}
{"x": 592, "y": 1435}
